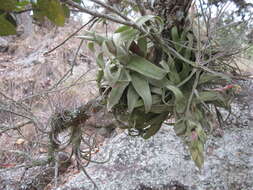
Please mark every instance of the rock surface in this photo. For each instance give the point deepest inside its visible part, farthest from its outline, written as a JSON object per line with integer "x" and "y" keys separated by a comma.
{"x": 35, "y": 178}
{"x": 3, "y": 45}
{"x": 163, "y": 163}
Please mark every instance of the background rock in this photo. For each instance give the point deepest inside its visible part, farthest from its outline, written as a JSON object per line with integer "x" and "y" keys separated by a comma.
{"x": 163, "y": 163}
{"x": 3, "y": 45}
{"x": 35, "y": 178}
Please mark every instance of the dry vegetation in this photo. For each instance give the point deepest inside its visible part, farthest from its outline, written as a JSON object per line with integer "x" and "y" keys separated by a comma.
{"x": 37, "y": 81}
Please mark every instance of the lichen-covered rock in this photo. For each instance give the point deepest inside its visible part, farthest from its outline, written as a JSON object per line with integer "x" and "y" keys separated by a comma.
{"x": 35, "y": 178}
{"x": 162, "y": 162}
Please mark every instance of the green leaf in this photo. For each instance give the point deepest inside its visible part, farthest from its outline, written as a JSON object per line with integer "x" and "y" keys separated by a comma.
{"x": 198, "y": 114}
{"x": 78, "y": 1}
{"x": 188, "y": 50}
{"x": 6, "y": 28}
{"x": 124, "y": 75}
{"x": 141, "y": 86}
{"x": 155, "y": 124}
{"x": 99, "y": 77}
{"x": 66, "y": 11}
{"x": 146, "y": 68}
{"x": 100, "y": 60}
{"x": 208, "y": 96}
{"x": 142, "y": 43}
{"x": 7, "y": 5}
{"x": 152, "y": 130}
{"x": 159, "y": 83}
{"x": 187, "y": 54}
{"x": 161, "y": 108}
{"x": 91, "y": 46}
{"x": 116, "y": 93}
{"x": 91, "y": 36}
{"x": 111, "y": 76}
{"x": 175, "y": 37}
{"x": 111, "y": 47}
{"x": 155, "y": 100}
{"x": 197, "y": 157}
{"x": 127, "y": 37}
{"x": 53, "y": 10}
{"x": 211, "y": 78}
{"x": 132, "y": 98}
{"x": 173, "y": 75}
{"x": 201, "y": 135}
{"x": 151, "y": 24}
{"x": 122, "y": 29}
{"x": 143, "y": 19}
{"x": 156, "y": 90}
{"x": 180, "y": 127}
{"x": 180, "y": 100}
{"x": 165, "y": 65}
{"x": 185, "y": 71}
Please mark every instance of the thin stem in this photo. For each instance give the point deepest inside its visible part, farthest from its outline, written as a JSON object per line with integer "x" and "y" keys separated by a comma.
{"x": 70, "y": 36}
{"x": 110, "y": 8}
{"x": 97, "y": 14}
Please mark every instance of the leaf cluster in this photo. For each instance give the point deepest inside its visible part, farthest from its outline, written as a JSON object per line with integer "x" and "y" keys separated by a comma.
{"x": 145, "y": 82}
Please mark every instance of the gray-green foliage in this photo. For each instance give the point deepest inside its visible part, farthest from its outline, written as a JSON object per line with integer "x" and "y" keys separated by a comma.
{"x": 146, "y": 93}
{"x": 147, "y": 78}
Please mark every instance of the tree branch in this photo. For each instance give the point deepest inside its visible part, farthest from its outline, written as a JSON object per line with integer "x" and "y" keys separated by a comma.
{"x": 110, "y": 8}
{"x": 97, "y": 14}
{"x": 70, "y": 36}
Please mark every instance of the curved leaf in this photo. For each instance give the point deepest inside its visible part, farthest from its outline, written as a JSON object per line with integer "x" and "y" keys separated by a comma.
{"x": 142, "y": 43}
{"x": 116, "y": 93}
{"x": 132, "y": 98}
{"x": 155, "y": 23}
{"x": 180, "y": 100}
{"x": 159, "y": 83}
{"x": 175, "y": 37}
{"x": 122, "y": 29}
{"x": 146, "y": 68}
{"x": 155, "y": 124}
{"x": 111, "y": 77}
{"x": 180, "y": 127}
{"x": 141, "y": 86}
{"x": 100, "y": 61}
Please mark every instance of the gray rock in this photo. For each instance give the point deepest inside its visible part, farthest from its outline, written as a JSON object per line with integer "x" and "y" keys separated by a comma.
{"x": 35, "y": 178}
{"x": 162, "y": 162}
{"x": 3, "y": 45}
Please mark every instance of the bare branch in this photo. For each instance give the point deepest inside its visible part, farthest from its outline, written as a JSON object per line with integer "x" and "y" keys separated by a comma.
{"x": 97, "y": 14}
{"x": 112, "y": 9}
{"x": 73, "y": 34}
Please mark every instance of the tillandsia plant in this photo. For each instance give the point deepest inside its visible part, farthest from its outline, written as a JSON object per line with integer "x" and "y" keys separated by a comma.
{"x": 150, "y": 70}
{"x": 146, "y": 79}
